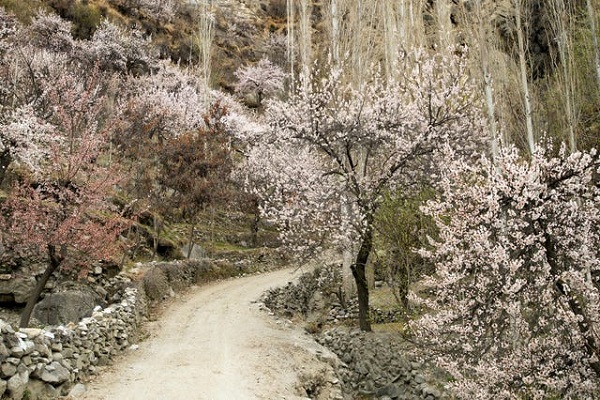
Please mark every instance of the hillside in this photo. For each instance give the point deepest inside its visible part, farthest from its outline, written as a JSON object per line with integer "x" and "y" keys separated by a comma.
{"x": 443, "y": 149}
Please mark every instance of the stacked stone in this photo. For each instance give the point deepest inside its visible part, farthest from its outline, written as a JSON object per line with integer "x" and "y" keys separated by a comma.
{"x": 380, "y": 316}
{"x": 314, "y": 290}
{"x": 338, "y": 313}
{"x": 373, "y": 365}
{"x": 40, "y": 363}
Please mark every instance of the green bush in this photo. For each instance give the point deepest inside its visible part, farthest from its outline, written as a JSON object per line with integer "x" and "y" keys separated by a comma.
{"x": 23, "y": 10}
{"x": 401, "y": 228}
{"x": 86, "y": 19}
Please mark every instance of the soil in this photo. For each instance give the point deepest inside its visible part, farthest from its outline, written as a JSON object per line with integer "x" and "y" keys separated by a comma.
{"x": 216, "y": 343}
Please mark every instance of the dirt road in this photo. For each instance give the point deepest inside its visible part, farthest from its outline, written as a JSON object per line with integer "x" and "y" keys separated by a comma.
{"x": 215, "y": 343}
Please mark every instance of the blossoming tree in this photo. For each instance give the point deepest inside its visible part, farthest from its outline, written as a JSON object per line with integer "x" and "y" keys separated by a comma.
{"x": 62, "y": 209}
{"x": 332, "y": 151}
{"x": 262, "y": 79}
{"x": 516, "y": 295}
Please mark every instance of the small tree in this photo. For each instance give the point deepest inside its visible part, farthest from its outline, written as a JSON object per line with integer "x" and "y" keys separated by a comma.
{"x": 196, "y": 167}
{"x": 516, "y": 295}
{"x": 401, "y": 227}
{"x": 262, "y": 80}
{"x": 334, "y": 151}
{"x": 156, "y": 110}
{"x": 63, "y": 208}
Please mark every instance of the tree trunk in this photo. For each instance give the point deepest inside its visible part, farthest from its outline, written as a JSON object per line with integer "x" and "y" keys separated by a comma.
{"x": 360, "y": 277}
{"x": 5, "y": 160}
{"x": 592, "y": 19}
{"x": 291, "y": 45}
{"x": 55, "y": 261}
{"x": 191, "y": 239}
{"x": 157, "y": 228}
{"x": 585, "y": 325}
{"x": 524, "y": 78}
{"x": 254, "y": 226}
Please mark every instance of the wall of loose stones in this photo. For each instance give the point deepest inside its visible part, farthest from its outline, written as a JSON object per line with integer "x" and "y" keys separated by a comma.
{"x": 373, "y": 365}
{"x": 40, "y": 363}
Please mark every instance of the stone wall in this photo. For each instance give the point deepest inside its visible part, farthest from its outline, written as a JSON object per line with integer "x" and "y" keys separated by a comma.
{"x": 47, "y": 363}
{"x": 373, "y": 365}
{"x": 39, "y": 363}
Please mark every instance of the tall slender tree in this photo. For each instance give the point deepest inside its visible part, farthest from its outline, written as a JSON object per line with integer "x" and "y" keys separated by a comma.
{"x": 522, "y": 55}
{"x": 591, "y": 13}
{"x": 561, "y": 28}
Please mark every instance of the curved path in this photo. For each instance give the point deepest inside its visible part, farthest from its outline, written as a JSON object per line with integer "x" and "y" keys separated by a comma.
{"x": 215, "y": 343}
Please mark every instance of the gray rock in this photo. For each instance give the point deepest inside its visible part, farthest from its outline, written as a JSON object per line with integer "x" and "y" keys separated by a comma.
{"x": 41, "y": 390}
{"x": 55, "y": 373}
{"x": 16, "y": 386}
{"x": 77, "y": 391}
{"x": 197, "y": 252}
{"x": 64, "y": 307}
{"x": 7, "y": 370}
{"x": 428, "y": 390}
{"x": 3, "y": 351}
{"x": 3, "y": 385}
{"x": 390, "y": 391}
{"x": 17, "y": 289}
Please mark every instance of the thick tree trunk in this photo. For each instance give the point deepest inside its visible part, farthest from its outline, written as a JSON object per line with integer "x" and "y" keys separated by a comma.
{"x": 55, "y": 261}
{"x": 156, "y": 239}
{"x": 360, "y": 277}
{"x": 254, "y": 226}
{"x": 5, "y": 160}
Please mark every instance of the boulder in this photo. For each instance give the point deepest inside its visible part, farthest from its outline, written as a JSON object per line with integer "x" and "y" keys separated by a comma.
{"x": 77, "y": 391}
{"x": 16, "y": 386}
{"x": 197, "y": 253}
{"x": 16, "y": 290}
{"x": 55, "y": 373}
{"x": 65, "y": 307}
{"x": 41, "y": 390}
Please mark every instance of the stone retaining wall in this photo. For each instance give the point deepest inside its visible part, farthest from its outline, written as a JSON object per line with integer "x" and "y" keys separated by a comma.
{"x": 48, "y": 363}
{"x": 373, "y": 365}
{"x": 39, "y": 363}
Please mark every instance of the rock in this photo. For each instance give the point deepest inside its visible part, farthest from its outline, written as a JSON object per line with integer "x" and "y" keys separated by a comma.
{"x": 17, "y": 289}
{"x": 390, "y": 391}
{"x": 77, "y": 391}
{"x": 428, "y": 390}
{"x": 55, "y": 373}
{"x": 197, "y": 252}
{"x": 3, "y": 351}
{"x": 5, "y": 327}
{"x": 3, "y": 385}
{"x": 41, "y": 390}
{"x": 7, "y": 370}
{"x": 16, "y": 386}
{"x": 31, "y": 333}
{"x": 64, "y": 307}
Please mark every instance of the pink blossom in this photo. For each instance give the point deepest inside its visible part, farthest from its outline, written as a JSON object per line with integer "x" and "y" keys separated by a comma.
{"x": 516, "y": 296}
